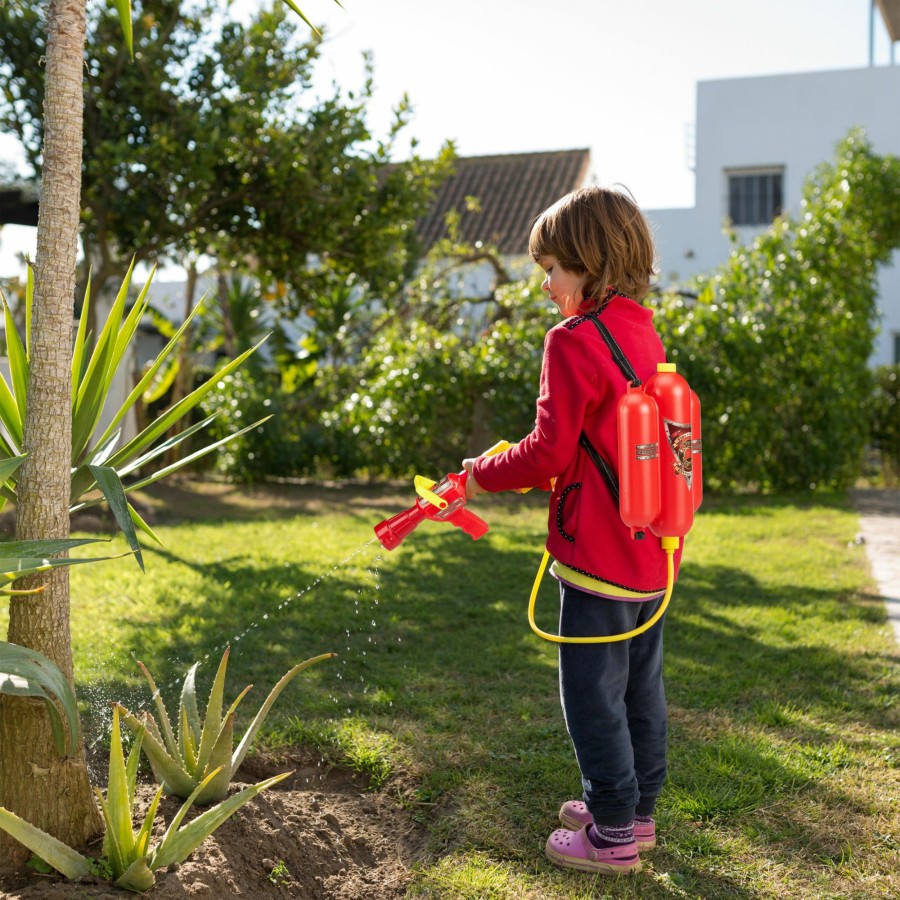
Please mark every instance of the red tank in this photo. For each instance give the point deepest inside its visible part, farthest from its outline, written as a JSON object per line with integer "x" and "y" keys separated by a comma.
{"x": 638, "y": 427}
{"x": 673, "y": 399}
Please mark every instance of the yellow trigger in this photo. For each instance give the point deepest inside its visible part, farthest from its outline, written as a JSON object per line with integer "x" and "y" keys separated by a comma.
{"x": 423, "y": 487}
{"x": 499, "y": 447}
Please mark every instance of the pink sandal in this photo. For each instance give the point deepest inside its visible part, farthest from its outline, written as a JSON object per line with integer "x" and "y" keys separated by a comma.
{"x": 574, "y": 814}
{"x": 574, "y": 850}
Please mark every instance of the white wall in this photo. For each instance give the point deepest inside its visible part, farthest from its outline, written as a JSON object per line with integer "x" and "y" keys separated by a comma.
{"x": 790, "y": 121}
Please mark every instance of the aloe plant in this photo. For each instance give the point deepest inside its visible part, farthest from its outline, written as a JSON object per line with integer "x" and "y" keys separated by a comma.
{"x": 98, "y": 462}
{"x": 184, "y": 761}
{"x": 131, "y": 859}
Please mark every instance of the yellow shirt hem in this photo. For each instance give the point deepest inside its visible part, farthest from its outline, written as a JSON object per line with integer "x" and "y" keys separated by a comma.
{"x": 596, "y": 585}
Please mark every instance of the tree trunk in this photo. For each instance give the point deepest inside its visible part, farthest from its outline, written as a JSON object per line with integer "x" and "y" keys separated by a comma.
{"x": 480, "y": 437}
{"x": 184, "y": 377}
{"x": 50, "y": 792}
{"x": 229, "y": 340}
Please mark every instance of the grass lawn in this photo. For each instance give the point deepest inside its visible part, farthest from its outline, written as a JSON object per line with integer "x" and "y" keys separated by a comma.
{"x": 781, "y": 674}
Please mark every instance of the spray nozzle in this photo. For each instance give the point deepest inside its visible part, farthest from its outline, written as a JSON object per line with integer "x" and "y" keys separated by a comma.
{"x": 442, "y": 502}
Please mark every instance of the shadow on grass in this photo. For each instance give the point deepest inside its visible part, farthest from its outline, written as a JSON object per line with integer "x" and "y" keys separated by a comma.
{"x": 714, "y": 663}
{"x": 175, "y": 500}
{"x": 754, "y": 504}
{"x": 434, "y": 648}
{"x": 458, "y": 610}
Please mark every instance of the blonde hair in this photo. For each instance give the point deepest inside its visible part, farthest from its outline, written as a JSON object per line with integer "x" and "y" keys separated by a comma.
{"x": 600, "y": 233}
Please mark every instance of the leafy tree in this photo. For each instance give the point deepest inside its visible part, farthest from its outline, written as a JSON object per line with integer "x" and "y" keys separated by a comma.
{"x": 207, "y": 143}
{"x": 51, "y": 793}
{"x": 777, "y": 341}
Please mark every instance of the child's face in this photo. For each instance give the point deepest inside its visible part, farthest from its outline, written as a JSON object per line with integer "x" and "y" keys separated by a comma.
{"x": 563, "y": 287}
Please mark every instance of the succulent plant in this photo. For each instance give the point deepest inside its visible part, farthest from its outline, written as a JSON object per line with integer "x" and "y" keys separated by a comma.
{"x": 132, "y": 861}
{"x": 99, "y": 464}
{"x": 182, "y": 762}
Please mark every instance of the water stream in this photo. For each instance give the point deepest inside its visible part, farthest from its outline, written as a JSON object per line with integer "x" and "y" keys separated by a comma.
{"x": 101, "y": 716}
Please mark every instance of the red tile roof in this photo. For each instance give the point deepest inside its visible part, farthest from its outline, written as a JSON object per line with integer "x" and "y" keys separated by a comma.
{"x": 513, "y": 190}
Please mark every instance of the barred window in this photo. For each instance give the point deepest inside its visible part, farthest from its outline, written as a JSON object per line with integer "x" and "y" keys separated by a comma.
{"x": 754, "y": 198}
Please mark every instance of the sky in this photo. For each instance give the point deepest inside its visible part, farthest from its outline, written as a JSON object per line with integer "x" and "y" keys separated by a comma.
{"x": 616, "y": 76}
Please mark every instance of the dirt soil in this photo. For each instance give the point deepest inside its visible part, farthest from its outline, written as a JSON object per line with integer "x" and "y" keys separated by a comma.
{"x": 334, "y": 838}
{"x": 318, "y": 834}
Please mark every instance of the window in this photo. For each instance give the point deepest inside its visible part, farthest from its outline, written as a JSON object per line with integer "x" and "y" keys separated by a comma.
{"x": 754, "y": 198}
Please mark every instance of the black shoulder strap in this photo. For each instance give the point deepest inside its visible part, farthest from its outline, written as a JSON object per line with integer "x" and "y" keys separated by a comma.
{"x": 620, "y": 358}
{"x": 621, "y": 361}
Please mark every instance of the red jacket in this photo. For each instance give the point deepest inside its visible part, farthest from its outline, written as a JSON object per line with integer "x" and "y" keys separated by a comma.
{"x": 580, "y": 388}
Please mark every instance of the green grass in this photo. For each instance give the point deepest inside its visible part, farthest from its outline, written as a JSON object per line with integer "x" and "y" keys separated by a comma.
{"x": 780, "y": 669}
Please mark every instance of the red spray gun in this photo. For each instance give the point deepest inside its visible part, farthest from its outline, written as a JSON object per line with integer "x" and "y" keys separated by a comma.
{"x": 442, "y": 502}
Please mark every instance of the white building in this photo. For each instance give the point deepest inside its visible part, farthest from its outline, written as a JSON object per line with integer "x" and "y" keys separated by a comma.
{"x": 757, "y": 139}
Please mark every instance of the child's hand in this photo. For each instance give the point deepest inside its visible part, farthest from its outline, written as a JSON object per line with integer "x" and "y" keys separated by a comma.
{"x": 473, "y": 488}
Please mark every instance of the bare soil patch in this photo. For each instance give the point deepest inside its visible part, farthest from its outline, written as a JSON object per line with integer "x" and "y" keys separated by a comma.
{"x": 321, "y": 831}
{"x": 317, "y": 835}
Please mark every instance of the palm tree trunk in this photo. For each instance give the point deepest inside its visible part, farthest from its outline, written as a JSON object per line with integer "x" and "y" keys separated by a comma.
{"x": 184, "y": 377}
{"x": 48, "y": 791}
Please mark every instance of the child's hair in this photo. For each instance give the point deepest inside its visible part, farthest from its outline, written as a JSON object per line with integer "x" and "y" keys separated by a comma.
{"x": 600, "y": 233}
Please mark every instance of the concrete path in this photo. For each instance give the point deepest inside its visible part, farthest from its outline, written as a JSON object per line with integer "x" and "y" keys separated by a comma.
{"x": 879, "y": 521}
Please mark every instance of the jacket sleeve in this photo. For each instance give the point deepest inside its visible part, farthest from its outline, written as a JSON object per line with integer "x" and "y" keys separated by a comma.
{"x": 568, "y": 388}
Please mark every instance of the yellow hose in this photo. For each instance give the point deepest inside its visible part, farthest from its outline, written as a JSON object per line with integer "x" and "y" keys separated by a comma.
{"x": 668, "y": 544}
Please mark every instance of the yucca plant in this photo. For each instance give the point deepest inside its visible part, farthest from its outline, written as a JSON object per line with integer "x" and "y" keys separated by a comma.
{"x": 21, "y": 558}
{"x": 183, "y": 763}
{"x": 98, "y": 462}
{"x": 131, "y": 859}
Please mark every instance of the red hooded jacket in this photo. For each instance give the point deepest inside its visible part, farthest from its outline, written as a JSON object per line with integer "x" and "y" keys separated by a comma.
{"x": 580, "y": 389}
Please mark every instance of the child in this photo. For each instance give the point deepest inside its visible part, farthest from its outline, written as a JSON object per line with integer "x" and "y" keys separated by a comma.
{"x": 595, "y": 248}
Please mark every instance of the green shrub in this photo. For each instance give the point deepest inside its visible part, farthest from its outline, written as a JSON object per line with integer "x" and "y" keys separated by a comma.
{"x": 885, "y": 434}
{"x": 296, "y": 442}
{"x": 424, "y": 396}
{"x": 777, "y": 342}
{"x": 271, "y": 450}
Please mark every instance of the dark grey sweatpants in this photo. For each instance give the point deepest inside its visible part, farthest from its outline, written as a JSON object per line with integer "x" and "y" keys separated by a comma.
{"x": 614, "y": 704}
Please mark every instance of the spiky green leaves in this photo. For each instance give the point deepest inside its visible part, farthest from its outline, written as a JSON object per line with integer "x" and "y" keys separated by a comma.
{"x": 123, "y": 7}
{"x": 27, "y": 673}
{"x": 132, "y": 860}
{"x": 202, "y": 746}
{"x": 100, "y": 461}
{"x": 54, "y": 852}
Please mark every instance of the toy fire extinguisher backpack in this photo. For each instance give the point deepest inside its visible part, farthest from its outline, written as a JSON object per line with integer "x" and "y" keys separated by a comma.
{"x": 660, "y": 480}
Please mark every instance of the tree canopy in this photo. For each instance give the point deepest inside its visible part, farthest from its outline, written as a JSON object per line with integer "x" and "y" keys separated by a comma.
{"x": 209, "y": 142}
